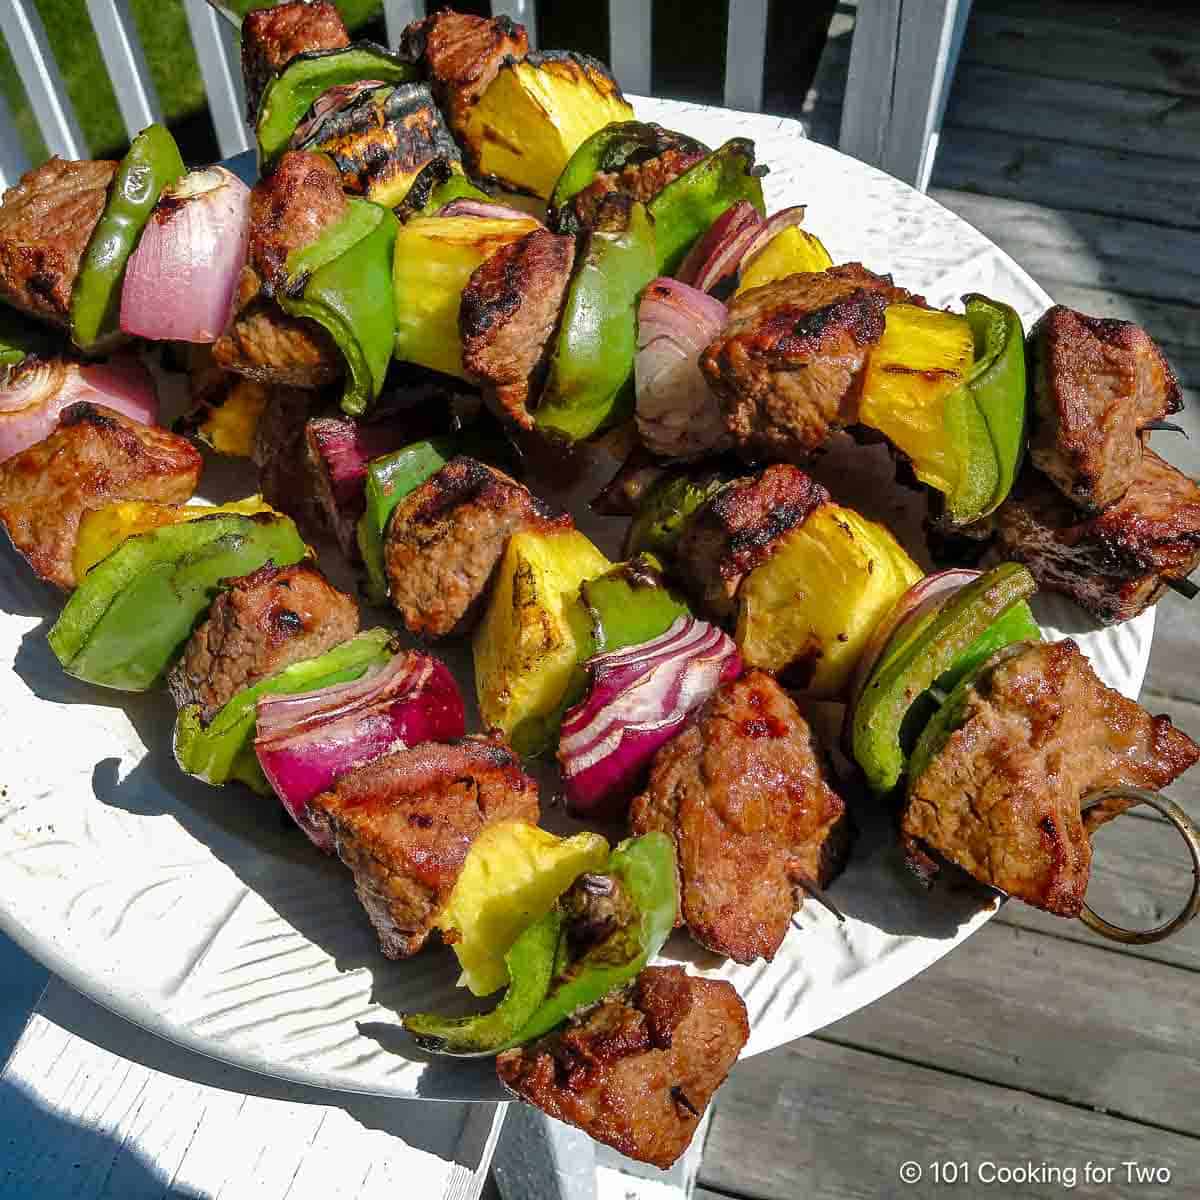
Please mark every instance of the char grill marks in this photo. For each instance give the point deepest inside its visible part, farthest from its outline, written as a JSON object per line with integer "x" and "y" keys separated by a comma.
{"x": 640, "y": 181}
{"x": 261, "y": 623}
{"x": 1038, "y": 732}
{"x": 788, "y": 365}
{"x": 508, "y": 313}
{"x": 272, "y": 37}
{"x": 95, "y": 456}
{"x": 404, "y": 823}
{"x": 46, "y": 220}
{"x": 638, "y": 1071}
{"x": 742, "y": 791}
{"x": 446, "y": 537}
{"x": 1095, "y": 383}
{"x": 1114, "y": 564}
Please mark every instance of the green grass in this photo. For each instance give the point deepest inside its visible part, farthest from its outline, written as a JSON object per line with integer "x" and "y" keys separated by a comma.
{"x": 163, "y": 29}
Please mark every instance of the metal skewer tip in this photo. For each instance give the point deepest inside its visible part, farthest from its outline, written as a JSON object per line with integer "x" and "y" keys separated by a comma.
{"x": 1166, "y": 427}
{"x": 1185, "y": 587}
{"x": 823, "y": 900}
{"x": 226, "y": 13}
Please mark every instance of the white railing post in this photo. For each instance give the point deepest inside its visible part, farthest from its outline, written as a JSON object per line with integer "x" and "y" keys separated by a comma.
{"x": 30, "y": 50}
{"x": 126, "y": 63}
{"x": 13, "y": 159}
{"x": 218, "y": 52}
{"x": 524, "y": 11}
{"x": 399, "y": 13}
{"x": 630, "y": 28}
{"x": 745, "y": 54}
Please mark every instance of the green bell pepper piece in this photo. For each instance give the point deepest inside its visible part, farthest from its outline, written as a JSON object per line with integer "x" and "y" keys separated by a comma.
{"x": 151, "y": 163}
{"x": 530, "y": 961}
{"x": 292, "y": 92}
{"x": 20, "y": 337}
{"x": 591, "y": 369}
{"x": 223, "y": 749}
{"x": 664, "y": 510}
{"x": 135, "y": 609}
{"x": 645, "y": 867}
{"x": 906, "y": 671}
{"x": 343, "y": 281}
{"x": 687, "y": 206}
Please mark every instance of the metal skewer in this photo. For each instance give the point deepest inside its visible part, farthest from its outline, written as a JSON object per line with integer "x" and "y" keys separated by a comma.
{"x": 1185, "y": 587}
{"x": 1166, "y": 427}
{"x": 226, "y": 13}
{"x": 820, "y": 897}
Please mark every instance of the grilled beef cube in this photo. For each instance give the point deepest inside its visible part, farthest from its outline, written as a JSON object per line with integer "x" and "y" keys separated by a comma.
{"x": 446, "y": 537}
{"x": 1118, "y": 563}
{"x": 95, "y": 456}
{"x": 288, "y": 209}
{"x": 508, "y": 314}
{"x": 404, "y": 823}
{"x": 1037, "y": 733}
{"x": 261, "y": 623}
{"x": 286, "y": 477}
{"x": 638, "y": 1071}
{"x": 272, "y": 37}
{"x": 46, "y": 221}
{"x": 1096, "y": 383}
{"x": 788, "y": 365}
{"x": 461, "y": 54}
{"x": 735, "y": 530}
{"x": 742, "y": 791}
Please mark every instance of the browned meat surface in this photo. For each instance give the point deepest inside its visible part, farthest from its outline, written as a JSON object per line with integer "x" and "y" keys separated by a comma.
{"x": 1115, "y": 564}
{"x": 446, "y": 537}
{"x": 742, "y": 791}
{"x": 508, "y": 313}
{"x": 288, "y": 209}
{"x": 95, "y": 456}
{"x": 642, "y": 181}
{"x": 46, "y": 220}
{"x": 261, "y": 623}
{"x": 404, "y": 823}
{"x": 1096, "y": 382}
{"x": 1038, "y": 732}
{"x": 787, "y": 367}
{"x": 286, "y": 477}
{"x": 272, "y": 37}
{"x": 461, "y": 54}
{"x": 638, "y": 1071}
{"x": 734, "y": 531}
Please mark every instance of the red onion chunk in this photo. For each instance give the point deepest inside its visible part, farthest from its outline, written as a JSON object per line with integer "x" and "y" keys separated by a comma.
{"x": 463, "y": 207}
{"x": 38, "y": 389}
{"x": 638, "y": 699}
{"x": 777, "y": 223}
{"x": 678, "y": 415}
{"x": 306, "y": 742}
{"x": 337, "y": 97}
{"x": 729, "y": 225}
{"x": 181, "y": 280}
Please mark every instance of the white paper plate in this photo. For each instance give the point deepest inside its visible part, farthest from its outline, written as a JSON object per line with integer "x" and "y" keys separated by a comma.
{"x": 191, "y": 912}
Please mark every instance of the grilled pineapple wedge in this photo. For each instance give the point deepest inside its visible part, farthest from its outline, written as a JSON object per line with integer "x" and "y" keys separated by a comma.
{"x": 434, "y": 260}
{"x": 513, "y": 873}
{"x": 922, "y": 358}
{"x": 226, "y": 415}
{"x": 808, "y": 611}
{"x": 790, "y": 252}
{"x": 535, "y": 114}
{"x": 526, "y": 646}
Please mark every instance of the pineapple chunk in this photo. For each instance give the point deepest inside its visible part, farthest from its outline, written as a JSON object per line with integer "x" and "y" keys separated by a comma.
{"x": 102, "y": 530}
{"x": 513, "y": 873}
{"x": 526, "y": 646}
{"x": 791, "y": 251}
{"x": 434, "y": 260}
{"x": 536, "y": 113}
{"x": 809, "y": 610}
{"x": 923, "y": 356}
{"x": 232, "y": 422}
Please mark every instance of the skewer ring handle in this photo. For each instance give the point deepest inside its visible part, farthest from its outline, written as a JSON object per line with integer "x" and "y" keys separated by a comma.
{"x": 1190, "y": 834}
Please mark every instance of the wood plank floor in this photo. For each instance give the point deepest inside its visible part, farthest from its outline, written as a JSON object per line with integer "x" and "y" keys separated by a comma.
{"x": 1072, "y": 139}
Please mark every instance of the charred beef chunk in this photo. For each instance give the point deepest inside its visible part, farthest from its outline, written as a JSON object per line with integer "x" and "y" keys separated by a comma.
{"x": 446, "y": 537}
{"x": 46, "y": 221}
{"x": 1118, "y": 563}
{"x": 272, "y": 37}
{"x": 731, "y": 533}
{"x": 261, "y": 623}
{"x": 461, "y": 55}
{"x": 638, "y": 1071}
{"x": 1096, "y": 383}
{"x": 1038, "y": 732}
{"x": 95, "y": 456}
{"x": 404, "y": 823}
{"x": 788, "y": 365}
{"x": 286, "y": 477}
{"x": 641, "y": 180}
{"x": 288, "y": 209}
{"x": 508, "y": 314}
{"x": 742, "y": 791}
